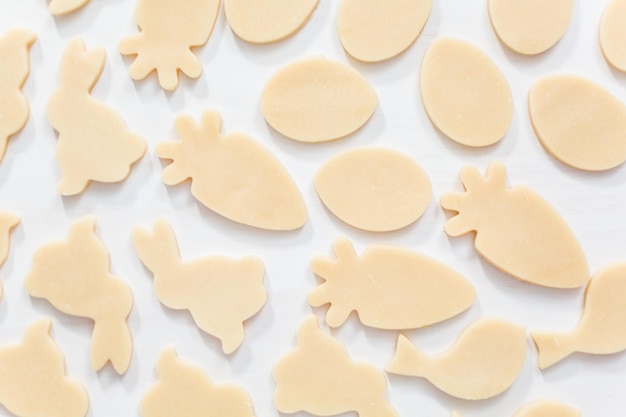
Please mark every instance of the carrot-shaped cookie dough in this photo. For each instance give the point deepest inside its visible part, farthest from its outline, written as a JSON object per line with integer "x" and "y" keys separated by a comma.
{"x": 186, "y": 390}
{"x": 73, "y": 275}
{"x": 14, "y": 70}
{"x": 400, "y": 196}
{"x": 613, "y": 34}
{"x": 220, "y": 293}
{"x": 232, "y": 175}
{"x": 389, "y": 288}
{"x": 543, "y": 408}
{"x": 484, "y": 362}
{"x": 601, "y": 328}
{"x": 94, "y": 143}
{"x": 320, "y": 377}
{"x": 517, "y": 231}
{"x": 33, "y": 381}
{"x": 62, "y": 7}
{"x": 169, "y": 29}
{"x": 7, "y": 222}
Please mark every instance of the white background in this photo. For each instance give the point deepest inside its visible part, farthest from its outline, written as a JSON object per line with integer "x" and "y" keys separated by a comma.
{"x": 234, "y": 75}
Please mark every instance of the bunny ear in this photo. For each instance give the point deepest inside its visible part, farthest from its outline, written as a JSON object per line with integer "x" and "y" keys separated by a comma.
{"x": 343, "y": 249}
{"x": 81, "y": 69}
{"x": 471, "y": 178}
{"x": 187, "y": 128}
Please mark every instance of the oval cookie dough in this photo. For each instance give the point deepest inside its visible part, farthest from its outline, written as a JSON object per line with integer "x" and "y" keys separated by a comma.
{"x": 613, "y": 34}
{"x": 464, "y": 93}
{"x": 376, "y": 30}
{"x": 530, "y": 27}
{"x": 580, "y": 123}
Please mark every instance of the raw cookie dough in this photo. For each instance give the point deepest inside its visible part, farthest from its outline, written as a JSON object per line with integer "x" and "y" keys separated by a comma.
{"x": 320, "y": 377}
{"x": 74, "y": 276}
{"x": 61, "y": 7}
{"x": 484, "y": 362}
{"x": 7, "y": 222}
{"x": 580, "y": 123}
{"x": 33, "y": 381}
{"x": 601, "y": 328}
{"x": 542, "y": 408}
{"x": 232, "y": 175}
{"x": 267, "y": 21}
{"x": 186, "y": 390}
{"x": 389, "y": 288}
{"x": 94, "y": 143}
{"x": 613, "y": 34}
{"x": 464, "y": 93}
{"x": 219, "y": 292}
{"x": 374, "y": 189}
{"x": 14, "y": 70}
{"x": 317, "y": 100}
{"x": 530, "y": 27}
{"x": 168, "y": 31}
{"x": 376, "y": 30}
{"x": 517, "y": 231}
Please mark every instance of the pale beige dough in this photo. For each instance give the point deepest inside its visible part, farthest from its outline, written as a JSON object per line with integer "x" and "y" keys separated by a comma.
{"x": 464, "y": 93}
{"x": 267, "y": 21}
{"x": 33, "y": 381}
{"x": 62, "y": 7}
{"x": 374, "y": 189}
{"x": 317, "y": 100}
{"x": 219, "y": 292}
{"x": 376, "y": 30}
{"x": 232, "y": 175}
{"x": 94, "y": 143}
{"x": 579, "y": 122}
{"x": 14, "y": 70}
{"x": 74, "y": 276}
{"x": 530, "y": 27}
{"x": 389, "y": 287}
{"x": 542, "y": 408}
{"x": 484, "y": 362}
{"x": 613, "y": 34}
{"x": 187, "y": 391}
{"x": 168, "y": 31}
{"x": 7, "y": 222}
{"x": 517, "y": 231}
{"x": 601, "y": 328}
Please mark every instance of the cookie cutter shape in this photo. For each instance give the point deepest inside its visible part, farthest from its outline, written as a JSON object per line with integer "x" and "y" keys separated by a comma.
{"x": 377, "y": 30}
{"x": 613, "y": 34}
{"x": 186, "y": 390}
{"x": 320, "y": 378}
{"x": 63, "y": 7}
{"x": 485, "y": 360}
{"x": 220, "y": 293}
{"x": 530, "y": 27}
{"x": 169, "y": 29}
{"x": 464, "y": 93}
{"x": 389, "y": 288}
{"x": 33, "y": 381}
{"x": 74, "y": 276}
{"x": 578, "y": 122}
{"x": 232, "y": 175}
{"x": 542, "y": 408}
{"x": 317, "y": 100}
{"x": 267, "y": 21}
{"x": 517, "y": 231}
{"x": 601, "y": 327}
{"x": 7, "y": 222}
{"x": 94, "y": 143}
{"x": 14, "y": 70}
{"x": 374, "y": 189}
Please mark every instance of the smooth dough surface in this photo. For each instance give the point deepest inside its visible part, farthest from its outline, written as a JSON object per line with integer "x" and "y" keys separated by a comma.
{"x": 74, "y": 276}
{"x": 186, "y": 390}
{"x": 220, "y": 293}
{"x": 388, "y": 287}
{"x": 169, "y": 29}
{"x": 62, "y": 7}
{"x": 7, "y": 222}
{"x": 579, "y": 122}
{"x": 232, "y": 175}
{"x": 266, "y": 21}
{"x": 464, "y": 93}
{"x": 546, "y": 408}
{"x": 484, "y": 362}
{"x": 376, "y": 30}
{"x": 33, "y": 381}
{"x": 320, "y": 377}
{"x": 613, "y": 34}
{"x": 530, "y": 27}
{"x": 317, "y": 100}
{"x": 517, "y": 231}
{"x": 374, "y": 189}
{"x": 601, "y": 328}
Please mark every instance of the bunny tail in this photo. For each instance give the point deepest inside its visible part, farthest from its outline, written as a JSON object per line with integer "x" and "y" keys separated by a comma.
{"x": 552, "y": 348}
{"x": 407, "y": 360}
{"x": 111, "y": 341}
